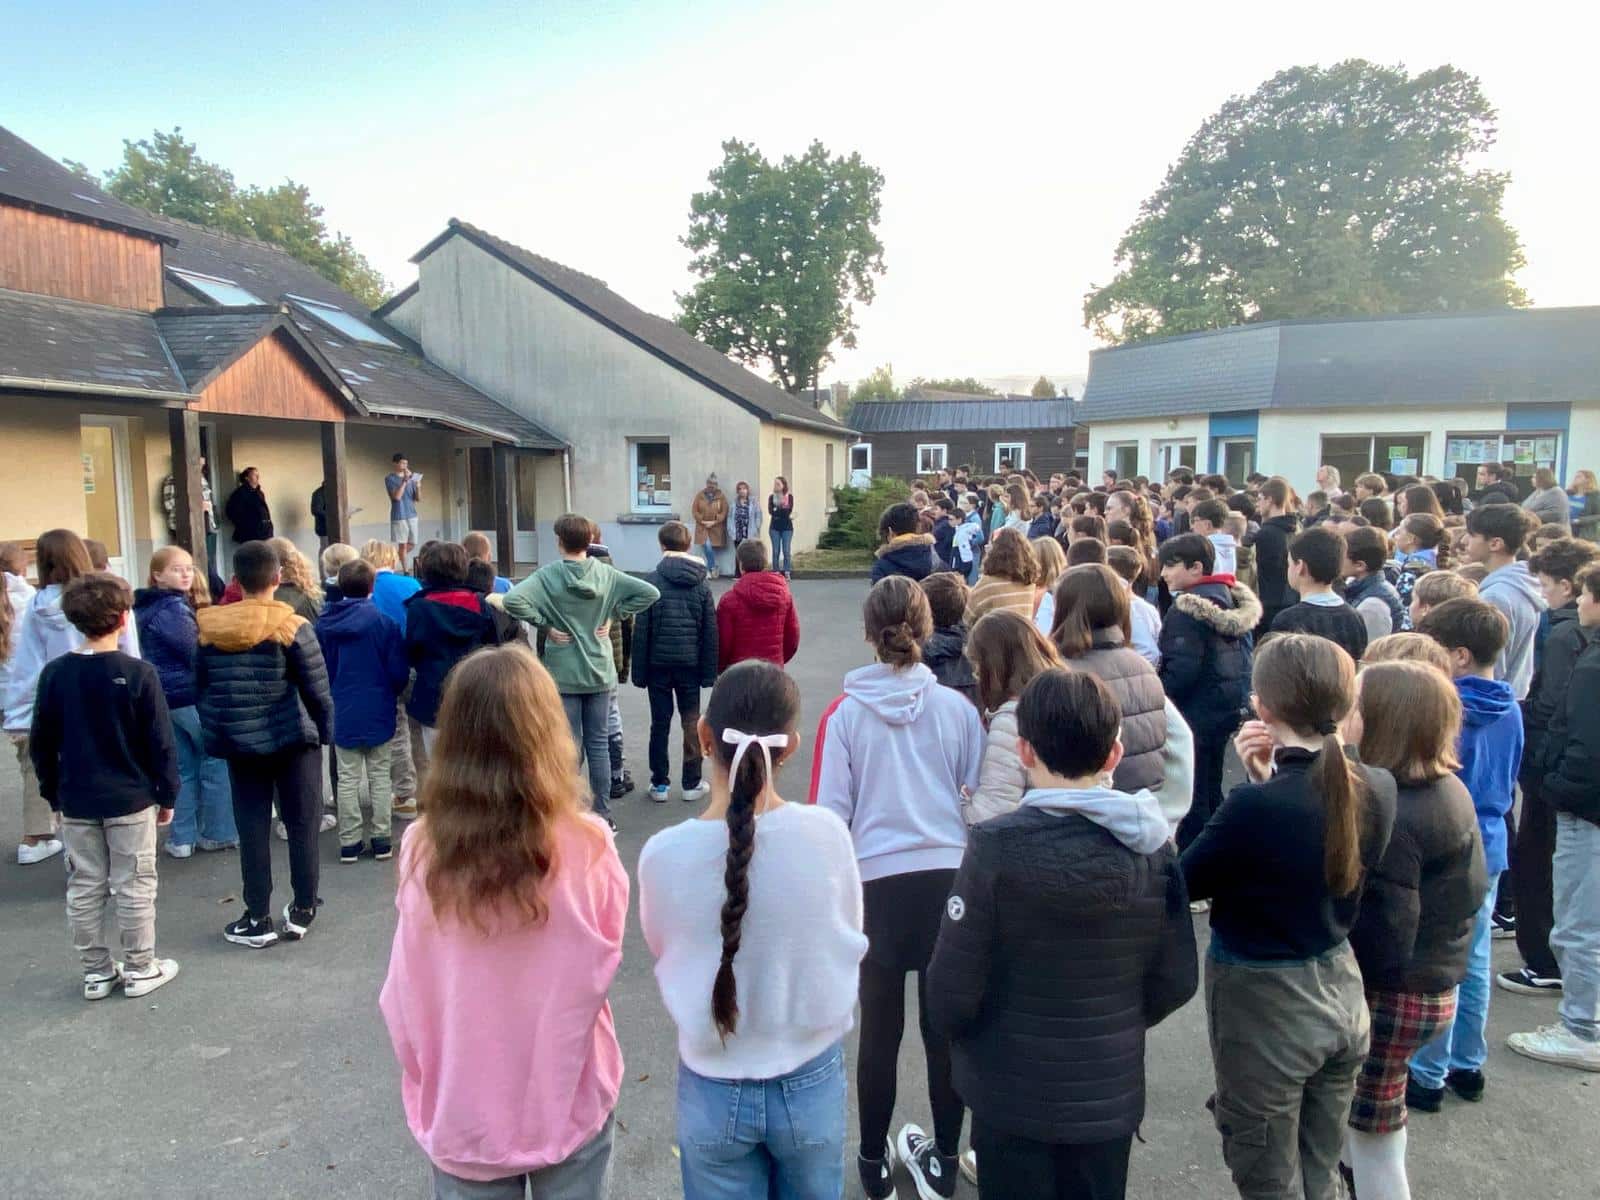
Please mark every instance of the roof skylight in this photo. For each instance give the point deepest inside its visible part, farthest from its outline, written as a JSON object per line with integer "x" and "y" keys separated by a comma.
{"x": 223, "y": 291}
{"x": 345, "y": 323}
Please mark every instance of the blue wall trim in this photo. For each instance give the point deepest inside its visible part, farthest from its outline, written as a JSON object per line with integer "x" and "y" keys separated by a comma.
{"x": 1238, "y": 424}
{"x": 1538, "y": 416}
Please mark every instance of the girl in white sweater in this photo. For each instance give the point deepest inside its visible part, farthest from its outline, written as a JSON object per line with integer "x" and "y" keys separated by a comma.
{"x": 762, "y": 1001}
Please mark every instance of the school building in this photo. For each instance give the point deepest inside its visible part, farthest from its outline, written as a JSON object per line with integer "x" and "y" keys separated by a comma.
{"x": 935, "y": 431}
{"x": 1414, "y": 394}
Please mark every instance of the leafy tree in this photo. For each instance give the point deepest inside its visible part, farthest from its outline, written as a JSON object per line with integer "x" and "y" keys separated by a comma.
{"x": 165, "y": 174}
{"x": 1043, "y": 389}
{"x": 877, "y": 386}
{"x": 783, "y": 251}
{"x": 969, "y": 386}
{"x": 1333, "y": 191}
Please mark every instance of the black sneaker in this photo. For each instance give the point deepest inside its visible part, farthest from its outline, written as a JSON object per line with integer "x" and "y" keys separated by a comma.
{"x": 382, "y": 849}
{"x": 1420, "y": 1098}
{"x": 1502, "y": 927}
{"x": 620, "y": 787}
{"x": 934, "y": 1174}
{"x": 351, "y": 854}
{"x": 1466, "y": 1084}
{"x": 258, "y": 934}
{"x": 297, "y": 922}
{"x": 877, "y": 1174}
{"x": 1529, "y": 982}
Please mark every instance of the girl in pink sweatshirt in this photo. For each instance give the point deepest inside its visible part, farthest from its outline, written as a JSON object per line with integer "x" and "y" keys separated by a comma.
{"x": 512, "y": 904}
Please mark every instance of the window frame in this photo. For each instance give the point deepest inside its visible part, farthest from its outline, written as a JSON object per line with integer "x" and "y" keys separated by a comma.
{"x": 1019, "y": 462}
{"x": 851, "y": 466}
{"x": 1374, "y": 463}
{"x": 197, "y": 281}
{"x": 944, "y": 458}
{"x": 318, "y": 310}
{"x": 1220, "y": 466}
{"x": 1160, "y": 469}
{"x": 634, "y": 506}
{"x": 1505, "y": 438}
{"x": 1111, "y": 451}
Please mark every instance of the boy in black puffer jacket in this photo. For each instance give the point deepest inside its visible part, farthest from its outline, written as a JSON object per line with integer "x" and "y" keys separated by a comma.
{"x": 1066, "y": 936}
{"x": 674, "y": 656}
{"x": 1206, "y": 645}
{"x": 265, "y": 707}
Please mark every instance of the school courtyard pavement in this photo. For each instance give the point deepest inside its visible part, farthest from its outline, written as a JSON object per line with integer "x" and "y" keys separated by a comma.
{"x": 268, "y": 1073}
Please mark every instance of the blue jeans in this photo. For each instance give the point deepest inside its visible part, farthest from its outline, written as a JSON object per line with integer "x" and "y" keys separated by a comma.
{"x": 710, "y": 553}
{"x": 782, "y": 559}
{"x": 205, "y": 798}
{"x": 1460, "y": 1046}
{"x": 777, "y": 1138}
{"x": 588, "y": 714}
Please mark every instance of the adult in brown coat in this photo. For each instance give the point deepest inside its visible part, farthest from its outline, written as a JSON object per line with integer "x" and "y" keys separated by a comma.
{"x": 710, "y": 514}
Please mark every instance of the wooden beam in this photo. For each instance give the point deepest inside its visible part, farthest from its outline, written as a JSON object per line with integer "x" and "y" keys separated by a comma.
{"x": 188, "y": 512}
{"x": 504, "y": 479}
{"x": 335, "y": 488}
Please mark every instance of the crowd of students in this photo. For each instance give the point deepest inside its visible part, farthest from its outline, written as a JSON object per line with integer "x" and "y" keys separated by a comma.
{"x": 1019, "y": 801}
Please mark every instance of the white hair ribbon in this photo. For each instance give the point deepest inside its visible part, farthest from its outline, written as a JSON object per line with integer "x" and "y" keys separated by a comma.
{"x": 767, "y": 742}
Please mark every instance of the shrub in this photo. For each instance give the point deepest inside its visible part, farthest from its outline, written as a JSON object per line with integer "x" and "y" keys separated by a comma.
{"x": 853, "y": 524}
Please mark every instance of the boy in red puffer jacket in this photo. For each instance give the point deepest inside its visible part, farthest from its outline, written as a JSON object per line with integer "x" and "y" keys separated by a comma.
{"x": 756, "y": 617}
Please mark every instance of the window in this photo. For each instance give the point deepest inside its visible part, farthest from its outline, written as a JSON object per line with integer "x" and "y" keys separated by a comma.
{"x": 1015, "y": 453}
{"x": 860, "y": 464}
{"x": 650, "y": 467}
{"x": 1236, "y": 458}
{"x": 1123, "y": 458}
{"x": 1525, "y": 450}
{"x": 931, "y": 457}
{"x": 1168, "y": 456}
{"x": 1392, "y": 453}
{"x": 527, "y": 484}
{"x": 787, "y": 455}
{"x": 223, "y": 291}
{"x": 827, "y": 470}
{"x": 336, "y": 317}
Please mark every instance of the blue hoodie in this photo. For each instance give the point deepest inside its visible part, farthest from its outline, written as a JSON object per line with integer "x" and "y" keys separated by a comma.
{"x": 1490, "y": 750}
{"x": 390, "y": 591}
{"x": 367, "y": 671}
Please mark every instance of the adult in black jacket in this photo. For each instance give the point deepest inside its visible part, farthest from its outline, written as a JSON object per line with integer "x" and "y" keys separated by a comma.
{"x": 247, "y": 509}
{"x": 674, "y": 656}
{"x": 1066, "y": 936}
{"x": 264, "y": 704}
{"x": 1279, "y": 522}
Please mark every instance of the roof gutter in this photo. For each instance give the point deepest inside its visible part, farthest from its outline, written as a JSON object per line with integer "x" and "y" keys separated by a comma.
{"x": 451, "y": 421}
{"x": 26, "y": 384}
{"x": 820, "y": 426}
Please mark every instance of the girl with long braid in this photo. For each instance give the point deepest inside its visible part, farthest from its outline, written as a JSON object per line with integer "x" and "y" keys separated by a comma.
{"x": 762, "y": 1000}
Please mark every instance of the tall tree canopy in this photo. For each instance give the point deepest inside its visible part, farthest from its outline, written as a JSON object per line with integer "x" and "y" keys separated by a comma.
{"x": 165, "y": 174}
{"x": 1330, "y": 191}
{"x": 968, "y": 386}
{"x": 1042, "y": 389}
{"x": 782, "y": 251}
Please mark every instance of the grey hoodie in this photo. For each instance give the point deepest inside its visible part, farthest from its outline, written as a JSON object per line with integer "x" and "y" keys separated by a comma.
{"x": 893, "y": 755}
{"x": 1515, "y": 592}
{"x": 43, "y": 634}
{"x": 1133, "y": 818}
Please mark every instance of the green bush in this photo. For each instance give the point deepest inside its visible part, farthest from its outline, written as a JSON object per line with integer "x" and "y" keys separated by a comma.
{"x": 853, "y": 524}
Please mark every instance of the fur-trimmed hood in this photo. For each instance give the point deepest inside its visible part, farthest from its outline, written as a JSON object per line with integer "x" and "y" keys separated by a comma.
{"x": 1205, "y": 603}
{"x": 902, "y": 540}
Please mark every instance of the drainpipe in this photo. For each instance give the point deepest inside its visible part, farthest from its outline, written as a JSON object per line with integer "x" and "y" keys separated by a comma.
{"x": 566, "y": 477}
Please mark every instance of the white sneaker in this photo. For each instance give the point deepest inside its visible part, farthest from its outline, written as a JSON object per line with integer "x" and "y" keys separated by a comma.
{"x": 1199, "y": 906}
{"x": 180, "y": 849}
{"x": 159, "y": 973}
{"x": 660, "y": 793}
{"x": 403, "y": 808}
{"x": 97, "y": 985}
{"x": 329, "y": 821}
{"x": 699, "y": 792}
{"x": 28, "y": 855}
{"x": 1557, "y": 1044}
{"x": 969, "y": 1166}
{"x": 280, "y": 831}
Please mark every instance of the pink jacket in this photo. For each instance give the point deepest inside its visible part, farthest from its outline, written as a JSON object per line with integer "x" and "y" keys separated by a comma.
{"x": 508, "y": 1056}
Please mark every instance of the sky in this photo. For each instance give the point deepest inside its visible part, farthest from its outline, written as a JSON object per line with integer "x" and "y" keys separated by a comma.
{"x": 1016, "y": 140}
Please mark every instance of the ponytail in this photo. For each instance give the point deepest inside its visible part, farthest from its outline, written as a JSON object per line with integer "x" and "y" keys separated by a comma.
{"x": 1341, "y": 800}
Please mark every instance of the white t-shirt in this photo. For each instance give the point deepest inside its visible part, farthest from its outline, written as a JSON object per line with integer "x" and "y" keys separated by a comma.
{"x": 800, "y": 944}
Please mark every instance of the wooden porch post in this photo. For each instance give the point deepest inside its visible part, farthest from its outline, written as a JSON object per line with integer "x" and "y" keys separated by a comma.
{"x": 335, "y": 490}
{"x": 504, "y": 481}
{"x": 188, "y": 511}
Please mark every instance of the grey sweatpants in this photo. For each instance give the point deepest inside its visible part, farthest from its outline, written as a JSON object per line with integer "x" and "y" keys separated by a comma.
{"x": 584, "y": 1175}
{"x": 117, "y": 854}
{"x": 1287, "y": 1040}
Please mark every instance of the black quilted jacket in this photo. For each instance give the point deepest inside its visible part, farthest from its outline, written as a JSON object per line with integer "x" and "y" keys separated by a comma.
{"x": 1059, "y": 948}
{"x": 677, "y": 634}
{"x": 261, "y": 683}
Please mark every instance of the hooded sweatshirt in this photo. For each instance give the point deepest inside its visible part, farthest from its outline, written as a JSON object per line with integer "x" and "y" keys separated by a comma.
{"x": 43, "y": 633}
{"x": 1514, "y": 591}
{"x": 1490, "y": 750}
{"x": 260, "y": 681}
{"x": 756, "y": 618}
{"x": 576, "y": 597}
{"x": 945, "y": 653}
{"x": 908, "y": 554}
{"x": 366, "y": 656}
{"x": 893, "y": 754}
{"x": 170, "y": 640}
{"x": 675, "y": 640}
{"x": 1067, "y": 935}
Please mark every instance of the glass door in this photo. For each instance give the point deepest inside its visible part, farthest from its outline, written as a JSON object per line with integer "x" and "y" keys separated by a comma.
{"x": 1169, "y": 456}
{"x": 527, "y": 527}
{"x": 107, "y": 499}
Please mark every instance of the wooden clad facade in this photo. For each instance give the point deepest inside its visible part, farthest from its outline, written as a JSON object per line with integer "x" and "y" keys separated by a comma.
{"x": 271, "y": 380}
{"x": 54, "y": 256}
{"x": 1045, "y": 452}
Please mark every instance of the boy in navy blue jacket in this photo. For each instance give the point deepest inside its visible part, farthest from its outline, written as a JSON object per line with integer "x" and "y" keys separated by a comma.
{"x": 366, "y": 657}
{"x": 1473, "y": 633}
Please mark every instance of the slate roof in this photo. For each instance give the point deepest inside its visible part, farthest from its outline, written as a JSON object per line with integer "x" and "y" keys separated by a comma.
{"x": 35, "y": 180}
{"x": 1511, "y": 356}
{"x": 960, "y": 416}
{"x": 51, "y": 344}
{"x": 665, "y": 339}
{"x": 202, "y": 342}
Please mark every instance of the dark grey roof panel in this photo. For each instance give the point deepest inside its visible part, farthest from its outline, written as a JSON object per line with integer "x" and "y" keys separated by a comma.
{"x": 659, "y": 336}
{"x": 67, "y": 342}
{"x": 938, "y": 416}
{"x": 201, "y": 341}
{"x": 35, "y": 180}
{"x": 1228, "y": 371}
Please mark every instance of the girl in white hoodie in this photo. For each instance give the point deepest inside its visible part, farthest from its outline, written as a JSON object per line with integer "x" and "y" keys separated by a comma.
{"x": 893, "y": 755}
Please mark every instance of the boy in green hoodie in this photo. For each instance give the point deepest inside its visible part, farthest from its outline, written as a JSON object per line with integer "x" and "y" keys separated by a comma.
{"x": 574, "y": 600}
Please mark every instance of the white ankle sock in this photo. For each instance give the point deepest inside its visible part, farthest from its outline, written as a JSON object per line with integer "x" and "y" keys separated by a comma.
{"x": 1378, "y": 1161}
